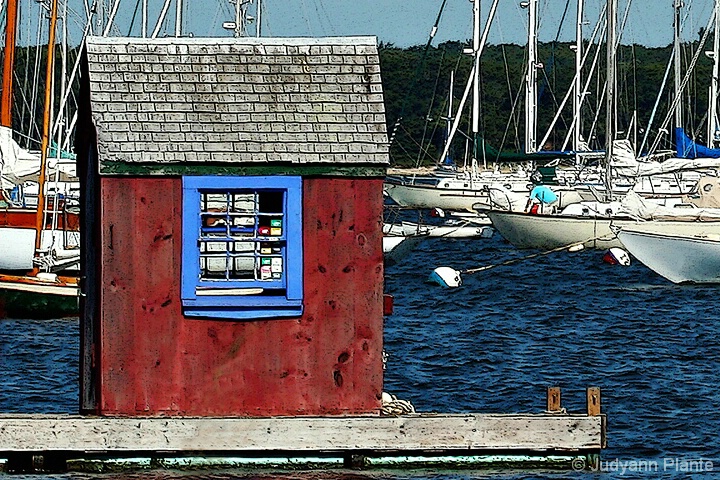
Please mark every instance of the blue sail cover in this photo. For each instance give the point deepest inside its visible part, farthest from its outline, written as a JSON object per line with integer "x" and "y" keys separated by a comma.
{"x": 687, "y": 148}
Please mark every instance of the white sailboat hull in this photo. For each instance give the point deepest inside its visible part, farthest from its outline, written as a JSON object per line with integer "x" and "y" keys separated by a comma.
{"x": 461, "y": 231}
{"x": 18, "y": 247}
{"x": 678, "y": 258}
{"x": 469, "y": 228}
{"x": 549, "y": 232}
{"x": 397, "y": 247}
{"x": 429, "y": 196}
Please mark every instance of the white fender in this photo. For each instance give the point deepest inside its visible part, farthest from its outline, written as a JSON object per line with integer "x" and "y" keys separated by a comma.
{"x": 446, "y": 277}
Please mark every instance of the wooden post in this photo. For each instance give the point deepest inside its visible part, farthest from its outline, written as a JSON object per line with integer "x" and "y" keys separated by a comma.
{"x": 553, "y": 400}
{"x": 8, "y": 64}
{"x": 47, "y": 118}
{"x": 593, "y": 401}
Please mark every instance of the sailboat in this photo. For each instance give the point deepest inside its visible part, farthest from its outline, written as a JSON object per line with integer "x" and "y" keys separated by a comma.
{"x": 685, "y": 146}
{"x": 473, "y": 189}
{"x": 594, "y": 224}
{"x": 40, "y": 242}
{"x": 470, "y": 188}
{"x": 590, "y": 226}
{"x": 18, "y": 221}
{"x": 678, "y": 258}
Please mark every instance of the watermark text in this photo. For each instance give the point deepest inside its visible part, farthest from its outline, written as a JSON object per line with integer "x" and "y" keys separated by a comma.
{"x": 668, "y": 464}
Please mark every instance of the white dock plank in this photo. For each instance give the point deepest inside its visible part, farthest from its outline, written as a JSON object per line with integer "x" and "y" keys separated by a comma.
{"x": 422, "y": 432}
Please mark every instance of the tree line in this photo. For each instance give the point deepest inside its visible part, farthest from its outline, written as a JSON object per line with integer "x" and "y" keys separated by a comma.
{"x": 416, "y": 88}
{"x": 29, "y": 92}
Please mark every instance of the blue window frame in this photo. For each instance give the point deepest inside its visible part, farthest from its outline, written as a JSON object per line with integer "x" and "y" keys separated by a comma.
{"x": 242, "y": 247}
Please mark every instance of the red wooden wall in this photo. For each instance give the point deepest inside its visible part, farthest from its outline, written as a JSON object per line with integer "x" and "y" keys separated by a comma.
{"x": 153, "y": 361}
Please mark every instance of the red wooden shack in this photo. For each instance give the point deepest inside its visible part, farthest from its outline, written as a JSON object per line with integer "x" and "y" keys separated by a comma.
{"x": 232, "y": 226}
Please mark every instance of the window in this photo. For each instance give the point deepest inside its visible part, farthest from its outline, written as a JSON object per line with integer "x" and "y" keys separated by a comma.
{"x": 242, "y": 247}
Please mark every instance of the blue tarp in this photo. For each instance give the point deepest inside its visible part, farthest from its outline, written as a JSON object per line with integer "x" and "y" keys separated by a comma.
{"x": 687, "y": 148}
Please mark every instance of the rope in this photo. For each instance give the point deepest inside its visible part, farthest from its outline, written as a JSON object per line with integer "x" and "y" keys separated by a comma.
{"x": 562, "y": 411}
{"x": 428, "y": 116}
{"x": 683, "y": 84}
{"x": 538, "y": 254}
{"x": 418, "y": 70}
{"x": 514, "y": 117}
{"x": 393, "y": 406}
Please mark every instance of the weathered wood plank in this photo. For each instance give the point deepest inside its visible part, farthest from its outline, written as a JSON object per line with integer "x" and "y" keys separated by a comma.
{"x": 426, "y": 432}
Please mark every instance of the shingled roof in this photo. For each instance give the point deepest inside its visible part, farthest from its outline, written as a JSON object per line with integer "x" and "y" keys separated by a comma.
{"x": 247, "y": 100}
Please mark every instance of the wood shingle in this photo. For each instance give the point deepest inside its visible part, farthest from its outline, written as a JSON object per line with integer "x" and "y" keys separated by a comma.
{"x": 237, "y": 100}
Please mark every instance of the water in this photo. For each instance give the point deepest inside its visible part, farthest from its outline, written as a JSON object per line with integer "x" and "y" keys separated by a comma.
{"x": 493, "y": 346}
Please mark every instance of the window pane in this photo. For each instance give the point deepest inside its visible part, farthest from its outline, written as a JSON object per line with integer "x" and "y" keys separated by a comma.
{"x": 214, "y": 247}
{"x": 243, "y": 268}
{"x": 243, "y": 203}
{"x": 242, "y": 226}
{"x": 214, "y": 202}
{"x": 271, "y": 202}
{"x": 214, "y": 225}
{"x": 244, "y": 247}
{"x": 213, "y": 267}
{"x": 241, "y": 235}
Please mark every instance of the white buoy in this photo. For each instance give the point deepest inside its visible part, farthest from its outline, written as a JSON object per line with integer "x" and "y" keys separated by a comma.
{"x": 617, "y": 256}
{"x": 446, "y": 277}
{"x": 576, "y": 248}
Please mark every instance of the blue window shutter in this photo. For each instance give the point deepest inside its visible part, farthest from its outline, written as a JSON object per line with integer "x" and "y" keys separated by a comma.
{"x": 190, "y": 231}
{"x": 280, "y": 298}
{"x": 295, "y": 250}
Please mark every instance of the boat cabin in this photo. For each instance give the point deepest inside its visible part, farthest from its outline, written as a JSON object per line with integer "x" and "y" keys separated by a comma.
{"x": 232, "y": 197}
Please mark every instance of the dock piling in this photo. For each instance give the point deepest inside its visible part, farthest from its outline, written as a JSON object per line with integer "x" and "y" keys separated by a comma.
{"x": 553, "y": 400}
{"x": 593, "y": 401}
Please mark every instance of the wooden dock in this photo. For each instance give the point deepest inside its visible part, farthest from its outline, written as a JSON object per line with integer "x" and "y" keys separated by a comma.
{"x": 53, "y": 442}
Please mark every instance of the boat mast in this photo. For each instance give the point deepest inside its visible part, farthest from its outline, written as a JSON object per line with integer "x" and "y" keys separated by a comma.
{"x": 258, "y": 13}
{"x": 476, "y": 82}
{"x": 178, "y": 18}
{"x": 610, "y": 97}
{"x": 449, "y": 120}
{"x": 8, "y": 64}
{"x": 476, "y": 66}
{"x": 144, "y": 18}
{"x": 62, "y": 110}
{"x": 577, "y": 100}
{"x": 241, "y": 18}
{"x": 47, "y": 118}
{"x": 161, "y": 19}
{"x": 676, "y": 59}
{"x": 712, "y": 110}
{"x": 531, "y": 79}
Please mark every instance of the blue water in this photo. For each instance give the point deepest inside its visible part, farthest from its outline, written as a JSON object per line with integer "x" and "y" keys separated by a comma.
{"x": 494, "y": 345}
